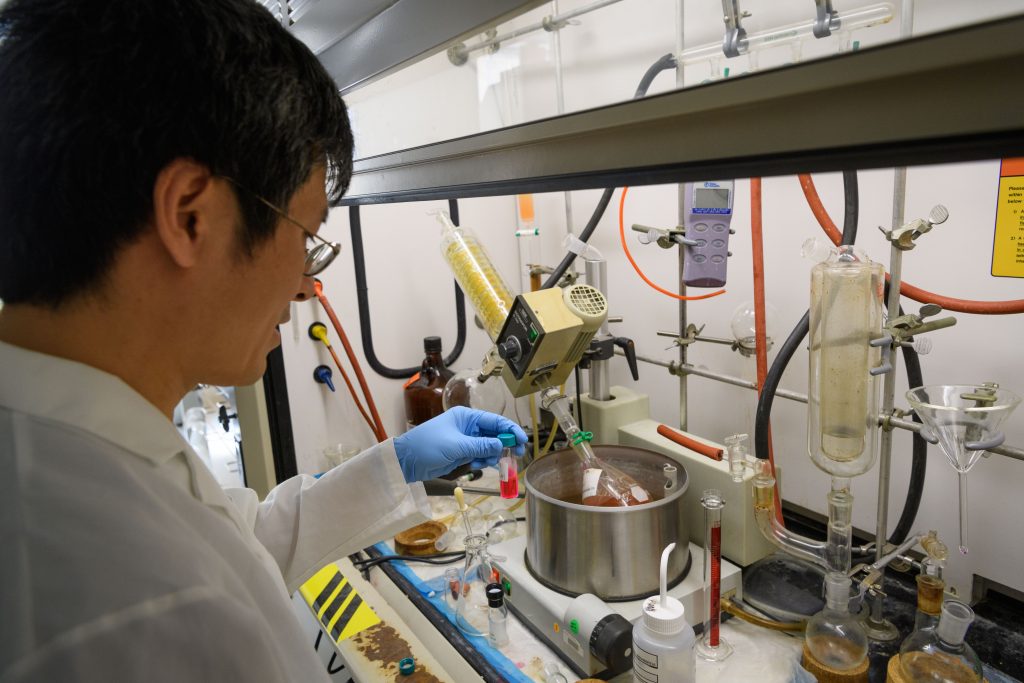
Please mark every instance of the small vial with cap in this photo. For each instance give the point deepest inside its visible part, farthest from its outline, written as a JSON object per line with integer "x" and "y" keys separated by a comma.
{"x": 508, "y": 467}
{"x": 497, "y": 615}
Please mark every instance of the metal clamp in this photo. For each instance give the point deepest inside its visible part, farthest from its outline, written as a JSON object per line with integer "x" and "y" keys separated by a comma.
{"x": 826, "y": 19}
{"x": 993, "y": 441}
{"x": 928, "y": 435}
{"x": 666, "y": 239}
{"x": 693, "y": 334}
{"x": 907, "y": 326}
{"x": 885, "y": 342}
{"x": 904, "y": 236}
{"x": 735, "y": 42}
{"x": 996, "y": 439}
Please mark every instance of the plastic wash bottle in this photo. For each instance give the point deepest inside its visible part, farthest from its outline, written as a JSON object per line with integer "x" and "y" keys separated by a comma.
{"x": 663, "y": 643}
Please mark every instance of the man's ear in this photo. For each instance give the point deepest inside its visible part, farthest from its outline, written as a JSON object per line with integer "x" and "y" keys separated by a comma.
{"x": 188, "y": 203}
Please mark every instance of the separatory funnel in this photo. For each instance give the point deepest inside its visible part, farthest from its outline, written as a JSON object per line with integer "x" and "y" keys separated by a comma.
{"x": 964, "y": 421}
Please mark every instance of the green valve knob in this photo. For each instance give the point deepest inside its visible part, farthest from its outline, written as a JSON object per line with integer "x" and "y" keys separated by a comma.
{"x": 507, "y": 586}
{"x": 574, "y": 626}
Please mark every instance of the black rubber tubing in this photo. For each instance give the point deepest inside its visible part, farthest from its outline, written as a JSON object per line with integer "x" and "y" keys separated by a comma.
{"x": 666, "y": 62}
{"x": 919, "y": 461}
{"x": 362, "y": 297}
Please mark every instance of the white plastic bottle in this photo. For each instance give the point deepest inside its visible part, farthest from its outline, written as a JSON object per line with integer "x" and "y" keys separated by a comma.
{"x": 663, "y": 643}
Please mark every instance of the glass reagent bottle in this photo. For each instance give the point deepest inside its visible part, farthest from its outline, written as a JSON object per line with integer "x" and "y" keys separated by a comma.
{"x": 497, "y": 615}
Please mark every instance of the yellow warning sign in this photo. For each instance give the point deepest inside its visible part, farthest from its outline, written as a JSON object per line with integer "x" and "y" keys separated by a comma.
{"x": 336, "y": 604}
{"x": 1008, "y": 245}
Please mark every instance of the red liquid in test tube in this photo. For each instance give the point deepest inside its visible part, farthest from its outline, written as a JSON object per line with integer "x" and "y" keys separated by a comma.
{"x": 508, "y": 477}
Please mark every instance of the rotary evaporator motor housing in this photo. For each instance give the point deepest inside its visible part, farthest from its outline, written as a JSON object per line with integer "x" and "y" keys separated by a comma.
{"x": 546, "y": 334}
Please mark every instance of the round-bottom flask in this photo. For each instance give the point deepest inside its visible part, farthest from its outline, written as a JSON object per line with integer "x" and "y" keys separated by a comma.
{"x": 835, "y": 637}
{"x": 940, "y": 655}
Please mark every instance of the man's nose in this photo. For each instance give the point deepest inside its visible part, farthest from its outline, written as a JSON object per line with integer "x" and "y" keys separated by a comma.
{"x": 306, "y": 290}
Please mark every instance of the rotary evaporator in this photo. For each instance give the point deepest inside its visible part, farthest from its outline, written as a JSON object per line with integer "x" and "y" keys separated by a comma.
{"x": 597, "y": 515}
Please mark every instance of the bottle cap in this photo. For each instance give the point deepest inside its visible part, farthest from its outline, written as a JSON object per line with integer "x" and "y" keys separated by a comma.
{"x": 507, "y": 440}
{"x": 495, "y": 595}
{"x": 664, "y": 614}
{"x": 432, "y": 344}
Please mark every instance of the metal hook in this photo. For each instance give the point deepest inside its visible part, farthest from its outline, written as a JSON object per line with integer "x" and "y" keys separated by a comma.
{"x": 826, "y": 19}
{"x": 735, "y": 41}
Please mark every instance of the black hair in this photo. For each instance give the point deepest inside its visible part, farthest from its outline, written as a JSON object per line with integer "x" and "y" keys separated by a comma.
{"x": 98, "y": 96}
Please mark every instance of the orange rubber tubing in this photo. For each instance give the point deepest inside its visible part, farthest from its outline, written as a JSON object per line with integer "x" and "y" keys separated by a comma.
{"x": 694, "y": 445}
{"x": 380, "y": 432}
{"x": 907, "y": 289}
{"x": 760, "y": 325}
{"x": 352, "y": 391}
{"x": 625, "y": 248}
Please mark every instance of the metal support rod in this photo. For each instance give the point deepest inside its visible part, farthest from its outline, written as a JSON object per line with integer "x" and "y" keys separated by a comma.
{"x": 560, "y": 108}
{"x": 894, "y": 422}
{"x": 600, "y": 382}
{"x": 877, "y": 627}
{"x": 548, "y": 23}
{"x": 683, "y": 413}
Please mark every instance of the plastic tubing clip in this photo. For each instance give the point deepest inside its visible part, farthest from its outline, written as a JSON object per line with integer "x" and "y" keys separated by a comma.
{"x": 580, "y": 437}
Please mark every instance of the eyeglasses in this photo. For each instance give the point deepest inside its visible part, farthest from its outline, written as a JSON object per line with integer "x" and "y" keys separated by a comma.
{"x": 317, "y": 258}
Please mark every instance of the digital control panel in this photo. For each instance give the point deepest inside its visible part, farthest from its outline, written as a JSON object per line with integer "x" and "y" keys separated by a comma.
{"x": 707, "y": 210}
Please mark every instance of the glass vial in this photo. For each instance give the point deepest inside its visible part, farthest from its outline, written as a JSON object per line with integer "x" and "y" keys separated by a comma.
{"x": 508, "y": 467}
{"x": 497, "y": 616}
{"x": 711, "y": 645}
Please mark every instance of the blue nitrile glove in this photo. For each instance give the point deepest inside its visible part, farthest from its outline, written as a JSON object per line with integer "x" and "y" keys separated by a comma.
{"x": 455, "y": 437}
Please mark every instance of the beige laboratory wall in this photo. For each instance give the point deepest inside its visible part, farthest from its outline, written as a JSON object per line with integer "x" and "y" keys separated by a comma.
{"x": 411, "y": 293}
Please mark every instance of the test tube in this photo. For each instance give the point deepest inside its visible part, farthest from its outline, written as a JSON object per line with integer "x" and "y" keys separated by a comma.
{"x": 712, "y": 646}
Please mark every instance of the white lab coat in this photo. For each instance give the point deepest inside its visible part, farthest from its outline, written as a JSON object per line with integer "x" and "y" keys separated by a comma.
{"x": 121, "y": 559}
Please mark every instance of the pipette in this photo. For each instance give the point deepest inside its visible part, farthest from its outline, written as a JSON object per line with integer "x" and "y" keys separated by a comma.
{"x": 463, "y": 509}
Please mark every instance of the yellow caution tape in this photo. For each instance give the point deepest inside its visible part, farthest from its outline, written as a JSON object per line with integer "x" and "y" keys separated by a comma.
{"x": 336, "y": 604}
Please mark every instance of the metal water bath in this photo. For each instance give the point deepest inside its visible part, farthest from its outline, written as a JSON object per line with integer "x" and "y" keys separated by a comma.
{"x": 612, "y": 552}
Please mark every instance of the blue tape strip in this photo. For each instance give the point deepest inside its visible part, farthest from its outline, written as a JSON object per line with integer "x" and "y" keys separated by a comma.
{"x": 433, "y": 591}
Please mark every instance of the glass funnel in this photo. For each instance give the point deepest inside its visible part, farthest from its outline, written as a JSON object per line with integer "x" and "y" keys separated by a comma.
{"x": 964, "y": 420}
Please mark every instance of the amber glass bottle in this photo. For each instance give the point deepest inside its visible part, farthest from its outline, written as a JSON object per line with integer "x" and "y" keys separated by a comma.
{"x": 423, "y": 395}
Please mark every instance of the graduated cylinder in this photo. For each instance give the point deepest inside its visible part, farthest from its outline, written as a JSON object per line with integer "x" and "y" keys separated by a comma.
{"x": 845, "y": 316}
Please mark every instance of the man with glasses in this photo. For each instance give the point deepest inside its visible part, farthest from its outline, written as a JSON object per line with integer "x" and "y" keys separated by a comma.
{"x": 165, "y": 166}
